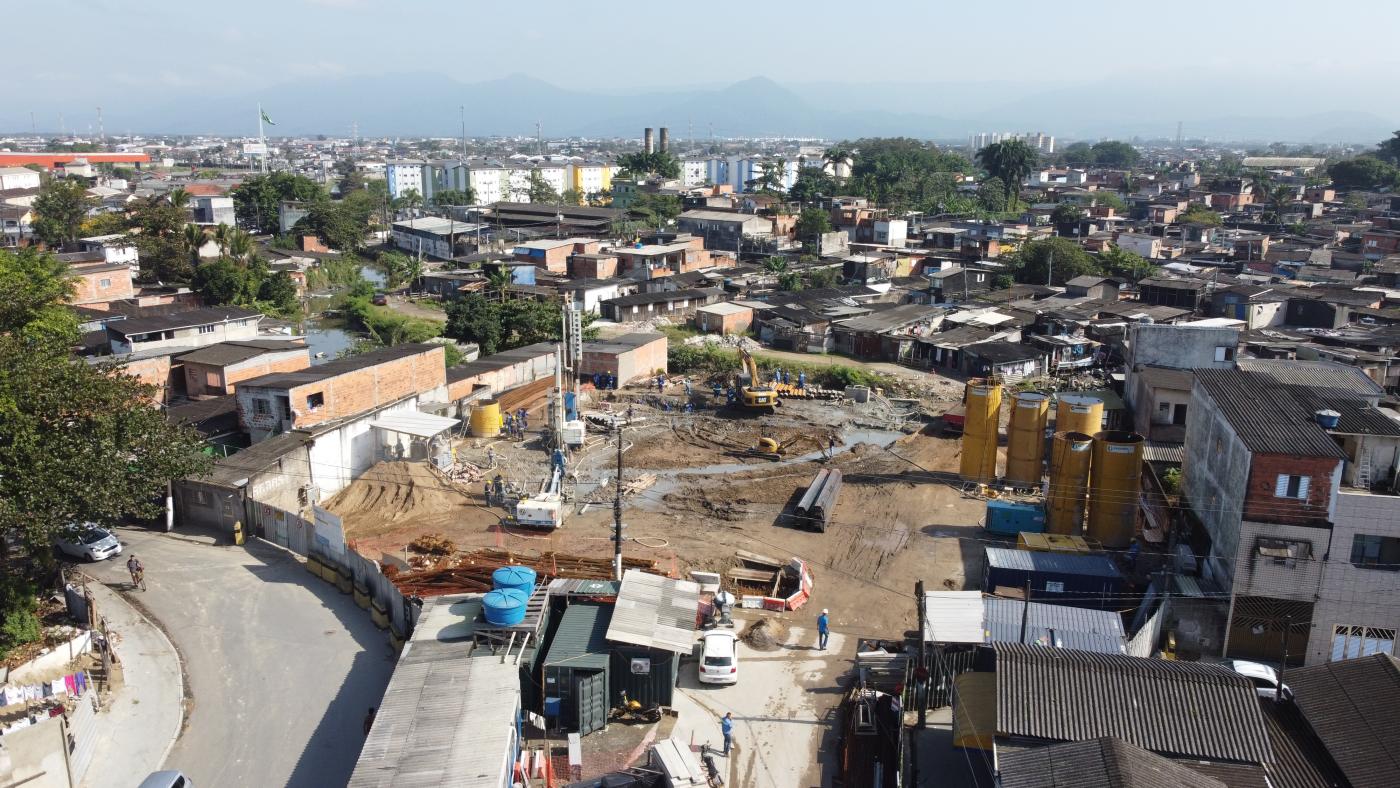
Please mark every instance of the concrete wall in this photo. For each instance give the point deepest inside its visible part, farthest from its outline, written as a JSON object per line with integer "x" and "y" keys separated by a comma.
{"x": 38, "y": 755}
{"x": 730, "y": 323}
{"x": 1257, "y": 575}
{"x": 339, "y": 456}
{"x": 1215, "y": 475}
{"x": 524, "y": 371}
{"x": 207, "y": 505}
{"x": 1180, "y": 347}
{"x": 638, "y": 362}
{"x": 1352, "y": 595}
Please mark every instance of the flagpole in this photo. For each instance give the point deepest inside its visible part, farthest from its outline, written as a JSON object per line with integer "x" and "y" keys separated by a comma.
{"x": 262, "y": 140}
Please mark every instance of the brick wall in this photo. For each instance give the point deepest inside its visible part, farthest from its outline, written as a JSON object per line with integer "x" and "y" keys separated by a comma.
{"x": 1262, "y": 505}
{"x": 89, "y": 288}
{"x": 365, "y": 389}
{"x": 593, "y": 268}
{"x": 154, "y": 371}
{"x": 201, "y": 379}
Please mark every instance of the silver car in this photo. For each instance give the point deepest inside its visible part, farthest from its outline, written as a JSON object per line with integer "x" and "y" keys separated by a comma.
{"x": 88, "y": 542}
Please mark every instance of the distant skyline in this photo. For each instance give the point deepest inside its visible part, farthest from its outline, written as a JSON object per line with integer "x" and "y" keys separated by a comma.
{"x": 1199, "y": 60}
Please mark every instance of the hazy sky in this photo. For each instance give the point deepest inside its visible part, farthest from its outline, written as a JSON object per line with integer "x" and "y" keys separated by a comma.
{"x": 152, "y": 50}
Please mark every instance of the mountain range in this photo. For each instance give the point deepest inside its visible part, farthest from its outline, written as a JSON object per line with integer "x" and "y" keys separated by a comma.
{"x": 427, "y": 104}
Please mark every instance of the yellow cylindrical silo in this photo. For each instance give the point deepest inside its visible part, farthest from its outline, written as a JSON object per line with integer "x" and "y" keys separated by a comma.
{"x": 1070, "y": 455}
{"x": 1114, "y": 489}
{"x": 1079, "y": 413}
{"x": 486, "y": 419}
{"x": 1025, "y": 439}
{"x": 980, "y": 423}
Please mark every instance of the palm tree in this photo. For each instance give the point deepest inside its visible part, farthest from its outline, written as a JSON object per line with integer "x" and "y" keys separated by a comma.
{"x": 222, "y": 235}
{"x": 1281, "y": 197}
{"x": 1011, "y": 161}
{"x": 499, "y": 281}
{"x": 194, "y": 239}
{"x": 179, "y": 198}
{"x": 240, "y": 245}
{"x": 775, "y": 265}
{"x": 836, "y": 157}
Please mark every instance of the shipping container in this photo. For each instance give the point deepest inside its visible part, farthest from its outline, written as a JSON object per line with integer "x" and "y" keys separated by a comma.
{"x": 1086, "y": 580}
{"x": 1014, "y": 517}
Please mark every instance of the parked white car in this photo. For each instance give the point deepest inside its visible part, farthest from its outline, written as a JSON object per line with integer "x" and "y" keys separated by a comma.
{"x": 1264, "y": 678}
{"x": 88, "y": 542}
{"x": 719, "y": 658}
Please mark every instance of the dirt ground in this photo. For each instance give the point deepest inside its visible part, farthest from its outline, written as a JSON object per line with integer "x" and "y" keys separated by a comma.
{"x": 892, "y": 526}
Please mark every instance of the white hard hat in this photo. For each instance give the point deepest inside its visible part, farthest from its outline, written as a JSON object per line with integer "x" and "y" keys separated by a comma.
{"x": 823, "y": 611}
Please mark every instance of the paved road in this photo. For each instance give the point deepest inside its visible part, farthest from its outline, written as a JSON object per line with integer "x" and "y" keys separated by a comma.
{"x": 282, "y": 667}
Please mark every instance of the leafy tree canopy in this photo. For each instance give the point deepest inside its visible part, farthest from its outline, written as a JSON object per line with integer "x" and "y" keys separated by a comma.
{"x": 642, "y": 164}
{"x": 811, "y": 224}
{"x": 1058, "y": 259}
{"x": 1198, "y": 214}
{"x": 255, "y": 200}
{"x": 502, "y": 325}
{"x": 1363, "y": 172}
{"x": 1112, "y": 153}
{"x": 903, "y": 173}
{"x": 59, "y": 211}
{"x": 81, "y": 442}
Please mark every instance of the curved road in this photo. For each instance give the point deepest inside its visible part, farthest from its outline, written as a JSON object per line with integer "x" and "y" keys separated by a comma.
{"x": 281, "y": 666}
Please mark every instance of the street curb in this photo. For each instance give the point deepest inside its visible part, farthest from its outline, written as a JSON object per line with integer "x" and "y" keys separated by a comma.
{"x": 186, "y": 699}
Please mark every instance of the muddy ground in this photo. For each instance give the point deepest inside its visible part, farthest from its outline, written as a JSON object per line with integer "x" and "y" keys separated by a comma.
{"x": 893, "y": 524}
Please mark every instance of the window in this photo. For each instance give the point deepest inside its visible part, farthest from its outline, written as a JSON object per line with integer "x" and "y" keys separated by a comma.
{"x": 315, "y": 401}
{"x": 1224, "y": 354}
{"x": 262, "y": 407}
{"x": 1164, "y": 407}
{"x": 1054, "y": 587}
{"x": 1179, "y": 418}
{"x": 1350, "y": 642}
{"x": 206, "y": 329}
{"x": 104, "y": 283}
{"x": 1284, "y": 552}
{"x": 1287, "y": 486}
{"x": 1376, "y": 552}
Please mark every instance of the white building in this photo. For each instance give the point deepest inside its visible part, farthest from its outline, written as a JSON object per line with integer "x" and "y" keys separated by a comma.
{"x": 405, "y": 175}
{"x": 18, "y": 178}
{"x": 695, "y": 172}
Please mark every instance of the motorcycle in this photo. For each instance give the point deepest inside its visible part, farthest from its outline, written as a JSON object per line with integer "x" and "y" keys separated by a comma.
{"x": 632, "y": 711}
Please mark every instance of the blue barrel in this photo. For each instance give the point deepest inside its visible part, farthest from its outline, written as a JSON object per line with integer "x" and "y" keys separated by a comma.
{"x": 521, "y": 577}
{"x": 503, "y": 609}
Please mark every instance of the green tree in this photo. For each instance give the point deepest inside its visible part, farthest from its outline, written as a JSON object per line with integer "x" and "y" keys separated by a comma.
{"x": 642, "y": 164}
{"x": 571, "y": 197}
{"x": 835, "y": 157}
{"x": 769, "y": 179}
{"x": 811, "y": 185}
{"x": 991, "y": 195}
{"x": 823, "y": 277}
{"x": 1198, "y": 214}
{"x": 775, "y": 265}
{"x": 465, "y": 196}
{"x": 255, "y": 201}
{"x": 1117, "y": 261}
{"x": 1389, "y": 150}
{"x": 59, "y": 211}
{"x": 499, "y": 280}
{"x": 161, "y": 240}
{"x": 397, "y": 267}
{"x": 90, "y": 446}
{"x": 496, "y": 326}
{"x": 1011, "y": 161}
{"x": 1066, "y": 213}
{"x": 538, "y": 190}
{"x": 904, "y": 174}
{"x": 790, "y": 281}
{"x": 337, "y": 224}
{"x": 1051, "y": 260}
{"x": 810, "y": 226}
{"x": 1108, "y": 198}
{"x": 1363, "y": 172}
{"x": 220, "y": 282}
{"x": 280, "y": 290}
{"x": 655, "y": 210}
{"x": 1112, "y": 153}
{"x": 1079, "y": 154}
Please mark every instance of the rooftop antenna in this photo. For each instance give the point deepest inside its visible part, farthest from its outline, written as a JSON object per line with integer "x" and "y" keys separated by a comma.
{"x": 462, "y": 108}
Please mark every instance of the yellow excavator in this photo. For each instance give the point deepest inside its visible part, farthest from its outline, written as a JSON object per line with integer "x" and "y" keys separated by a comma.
{"x": 772, "y": 449}
{"x": 756, "y": 395}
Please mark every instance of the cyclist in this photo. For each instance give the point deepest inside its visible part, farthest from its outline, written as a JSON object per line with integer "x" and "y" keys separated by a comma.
{"x": 138, "y": 572}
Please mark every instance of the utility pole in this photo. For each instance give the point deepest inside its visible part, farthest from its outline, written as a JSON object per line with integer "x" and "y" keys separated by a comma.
{"x": 462, "y": 108}
{"x": 539, "y": 138}
{"x": 1050, "y": 268}
{"x": 101, "y": 129}
{"x": 921, "y": 670}
{"x": 617, "y": 510}
{"x": 1278, "y": 691}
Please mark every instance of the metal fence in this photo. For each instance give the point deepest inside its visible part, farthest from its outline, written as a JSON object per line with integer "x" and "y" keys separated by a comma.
{"x": 82, "y": 735}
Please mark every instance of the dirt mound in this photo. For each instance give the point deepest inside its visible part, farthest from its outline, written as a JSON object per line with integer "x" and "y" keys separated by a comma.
{"x": 392, "y": 492}
{"x": 769, "y": 634}
{"x": 433, "y": 544}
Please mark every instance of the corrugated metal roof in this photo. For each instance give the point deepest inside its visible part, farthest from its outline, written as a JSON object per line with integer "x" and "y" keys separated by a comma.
{"x": 420, "y": 425}
{"x": 1171, "y": 708}
{"x": 581, "y": 640}
{"x": 1154, "y": 451}
{"x": 1265, "y": 420}
{"x": 1098, "y": 763}
{"x": 1040, "y": 561}
{"x": 679, "y": 762}
{"x": 447, "y": 718}
{"x": 953, "y": 617}
{"x": 656, "y": 612}
{"x": 1061, "y": 626}
{"x": 1354, "y": 706}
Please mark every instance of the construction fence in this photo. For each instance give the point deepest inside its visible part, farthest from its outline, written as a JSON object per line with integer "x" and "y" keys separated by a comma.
{"x": 340, "y": 566}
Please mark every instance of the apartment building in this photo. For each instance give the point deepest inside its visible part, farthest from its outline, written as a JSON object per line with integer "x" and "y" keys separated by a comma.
{"x": 405, "y": 175}
{"x": 1291, "y": 471}
{"x": 183, "y": 330}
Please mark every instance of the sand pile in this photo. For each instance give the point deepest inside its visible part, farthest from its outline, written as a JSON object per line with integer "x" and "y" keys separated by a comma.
{"x": 391, "y": 492}
{"x": 769, "y": 634}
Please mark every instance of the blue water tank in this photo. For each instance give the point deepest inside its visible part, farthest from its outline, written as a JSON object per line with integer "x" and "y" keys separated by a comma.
{"x": 521, "y": 577}
{"x": 1328, "y": 418}
{"x": 553, "y": 707}
{"x": 1010, "y": 517}
{"x": 504, "y": 608}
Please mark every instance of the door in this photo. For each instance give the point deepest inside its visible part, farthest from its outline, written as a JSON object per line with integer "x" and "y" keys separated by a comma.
{"x": 591, "y": 701}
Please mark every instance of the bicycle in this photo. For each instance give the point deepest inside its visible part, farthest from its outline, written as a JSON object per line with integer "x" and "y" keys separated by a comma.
{"x": 138, "y": 578}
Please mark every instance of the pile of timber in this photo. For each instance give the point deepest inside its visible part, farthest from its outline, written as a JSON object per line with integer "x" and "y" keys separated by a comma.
{"x": 757, "y": 573}
{"x": 471, "y": 572}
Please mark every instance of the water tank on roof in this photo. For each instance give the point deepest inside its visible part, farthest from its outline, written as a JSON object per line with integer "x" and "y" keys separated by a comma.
{"x": 504, "y": 608}
{"x": 518, "y": 577}
{"x": 1327, "y": 418}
